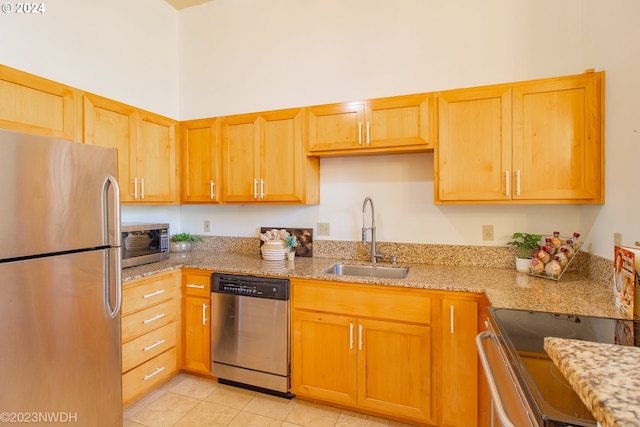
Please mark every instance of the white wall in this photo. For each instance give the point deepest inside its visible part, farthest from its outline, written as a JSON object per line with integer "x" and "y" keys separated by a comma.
{"x": 249, "y": 55}
{"x": 233, "y": 56}
{"x": 124, "y": 50}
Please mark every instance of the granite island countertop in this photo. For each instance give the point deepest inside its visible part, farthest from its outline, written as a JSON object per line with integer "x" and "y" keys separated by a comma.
{"x": 503, "y": 287}
{"x": 605, "y": 376}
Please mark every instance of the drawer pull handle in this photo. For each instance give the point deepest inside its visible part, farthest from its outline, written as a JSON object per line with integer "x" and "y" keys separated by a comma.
{"x": 452, "y": 328}
{"x": 154, "y": 345}
{"x": 159, "y": 316}
{"x": 157, "y": 371}
{"x": 192, "y": 285}
{"x": 153, "y": 294}
{"x": 360, "y": 336}
{"x": 350, "y": 336}
{"x": 204, "y": 314}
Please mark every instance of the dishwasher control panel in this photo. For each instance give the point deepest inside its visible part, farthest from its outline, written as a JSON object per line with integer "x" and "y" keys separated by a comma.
{"x": 251, "y": 286}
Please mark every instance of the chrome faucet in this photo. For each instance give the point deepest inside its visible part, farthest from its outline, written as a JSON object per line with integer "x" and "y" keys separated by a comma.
{"x": 374, "y": 254}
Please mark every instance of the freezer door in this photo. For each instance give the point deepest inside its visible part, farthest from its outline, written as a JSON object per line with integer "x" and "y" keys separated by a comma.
{"x": 56, "y": 196}
{"x": 60, "y": 351}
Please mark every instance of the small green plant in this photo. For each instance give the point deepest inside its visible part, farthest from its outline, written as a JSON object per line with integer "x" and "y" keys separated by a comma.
{"x": 526, "y": 243}
{"x": 186, "y": 237}
{"x": 290, "y": 241}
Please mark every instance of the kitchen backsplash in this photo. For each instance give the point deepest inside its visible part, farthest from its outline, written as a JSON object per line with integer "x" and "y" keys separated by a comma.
{"x": 594, "y": 267}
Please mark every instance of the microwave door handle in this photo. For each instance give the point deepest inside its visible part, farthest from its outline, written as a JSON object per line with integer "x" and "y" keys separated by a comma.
{"x": 111, "y": 209}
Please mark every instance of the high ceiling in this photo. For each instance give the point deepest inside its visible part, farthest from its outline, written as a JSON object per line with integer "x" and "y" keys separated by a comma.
{"x": 181, "y": 4}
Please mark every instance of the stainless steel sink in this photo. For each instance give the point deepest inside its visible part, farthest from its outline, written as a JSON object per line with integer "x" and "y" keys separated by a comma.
{"x": 367, "y": 271}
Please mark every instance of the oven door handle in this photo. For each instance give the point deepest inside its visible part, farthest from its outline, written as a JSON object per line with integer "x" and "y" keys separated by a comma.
{"x": 493, "y": 389}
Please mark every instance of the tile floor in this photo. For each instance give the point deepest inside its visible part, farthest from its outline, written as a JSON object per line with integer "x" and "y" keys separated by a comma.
{"x": 192, "y": 401}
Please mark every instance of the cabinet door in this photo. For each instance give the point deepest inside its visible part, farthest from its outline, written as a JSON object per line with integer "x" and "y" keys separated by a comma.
{"x": 38, "y": 106}
{"x": 111, "y": 124}
{"x": 400, "y": 121}
{"x": 473, "y": 154}
{"x": 323, "y": 357}
{"x": 200, "y": 161}
{"x": 281, "y": 156}
{"x": 156, "y": 159}
{"x": 241, "y": 158}
{"x": 459, "y": 394}
{"x": 557, "y": 146}
{"x": 197, "y": 346}
{"x": 336, "y": 126}
{"x": 394, "y": 368}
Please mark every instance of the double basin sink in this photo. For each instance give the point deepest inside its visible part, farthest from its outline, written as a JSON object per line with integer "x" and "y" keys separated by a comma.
{"x": 377, "y": 271}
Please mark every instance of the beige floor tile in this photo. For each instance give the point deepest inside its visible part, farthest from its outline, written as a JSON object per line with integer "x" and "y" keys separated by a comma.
{"x": 247, "y": 419}
{"x": 191, "y": 386}
{"x": 355, "y": 419}
{"x": 287, "y": 424}
{"x": 166, "y": 410}
{"x": 129, "y": 423}
{"x": 269, "y": 406}
{"x": 208, "y": 415}
{"x": 233, "y": 397}
{"x": 309, "y": 414}
{"x": 139, "y": 405}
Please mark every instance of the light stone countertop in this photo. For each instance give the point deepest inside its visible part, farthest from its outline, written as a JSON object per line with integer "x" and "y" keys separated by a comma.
{"x": 605, "y": 376}
{"x": 503, "y": 287}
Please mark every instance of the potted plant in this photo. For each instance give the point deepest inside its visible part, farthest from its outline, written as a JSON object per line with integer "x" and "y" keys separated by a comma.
{"x": 526, "y": 244}
{"x": 181, "y": 242}
{"x": 290, "y": 242}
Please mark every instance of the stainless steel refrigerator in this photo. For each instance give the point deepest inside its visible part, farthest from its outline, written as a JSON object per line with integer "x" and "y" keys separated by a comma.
{"x": 60, "y": 283}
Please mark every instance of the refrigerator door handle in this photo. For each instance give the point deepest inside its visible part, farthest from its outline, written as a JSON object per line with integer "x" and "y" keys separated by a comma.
{"x": 108, "y": 207}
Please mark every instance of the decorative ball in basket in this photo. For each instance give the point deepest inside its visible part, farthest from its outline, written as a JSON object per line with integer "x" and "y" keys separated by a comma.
{"x": 553, "y": 255}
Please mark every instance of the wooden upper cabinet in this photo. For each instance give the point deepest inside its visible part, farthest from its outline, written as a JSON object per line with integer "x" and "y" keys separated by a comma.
{"x": 38, "y": 106}
{"x": 200, "y": 161}
{"x": 147, "y": 148}
{"x": 111, "y": 124}
{"x": 558, "y": 150}
{"x": 473, "y": 153}
{"x": 377, "y": 126}
{"x": 263, "y": 159}
{"x": 156, "y": 159}
{"x": 530, "y": 142}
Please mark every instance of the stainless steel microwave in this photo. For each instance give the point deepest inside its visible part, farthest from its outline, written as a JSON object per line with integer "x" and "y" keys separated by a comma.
{"x": 144, "y": 243}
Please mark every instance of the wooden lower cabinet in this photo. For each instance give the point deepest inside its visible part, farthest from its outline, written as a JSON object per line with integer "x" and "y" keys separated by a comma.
{"x": 150, "y": 333}
{"x": 460, "y": 370}
{"x": 364, "y": 347}
{"x": 399, "y": 353}
{"x": 197, "y": 321}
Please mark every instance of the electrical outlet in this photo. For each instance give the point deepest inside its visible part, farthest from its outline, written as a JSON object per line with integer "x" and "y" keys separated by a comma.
{"x": 617, "y": 239}
{"x": 207, "y": 226}
{"x": 487, "y": 232}
{"x": 323, "y": 229}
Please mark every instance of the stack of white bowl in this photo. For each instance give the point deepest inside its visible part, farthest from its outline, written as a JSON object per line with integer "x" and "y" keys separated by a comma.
{"x": 274, "y": 250}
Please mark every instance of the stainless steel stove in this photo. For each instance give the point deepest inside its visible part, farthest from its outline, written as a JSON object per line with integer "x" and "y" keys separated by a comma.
{"x": 516, "y": 340}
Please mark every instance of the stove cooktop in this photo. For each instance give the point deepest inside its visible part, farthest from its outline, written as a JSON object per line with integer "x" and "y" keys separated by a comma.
{"x": 523, "y": 334}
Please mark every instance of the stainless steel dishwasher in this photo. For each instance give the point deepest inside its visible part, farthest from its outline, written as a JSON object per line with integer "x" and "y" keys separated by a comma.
{"x": 250, "y": 332}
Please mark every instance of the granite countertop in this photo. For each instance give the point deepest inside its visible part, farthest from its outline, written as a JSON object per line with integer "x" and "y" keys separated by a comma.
{"x": 605, "y": 376}
{"x": 503, "y": 287}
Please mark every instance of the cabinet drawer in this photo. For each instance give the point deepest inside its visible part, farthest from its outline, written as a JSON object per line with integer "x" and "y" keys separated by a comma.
{"x": 149, "y": 375}
{"x": 367, "y": 301}
{"x": 142, "y": 322}
{"x": 147, "y": 346}
{"x": 197, "y": 285}
{"x": 139, "y": 296}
